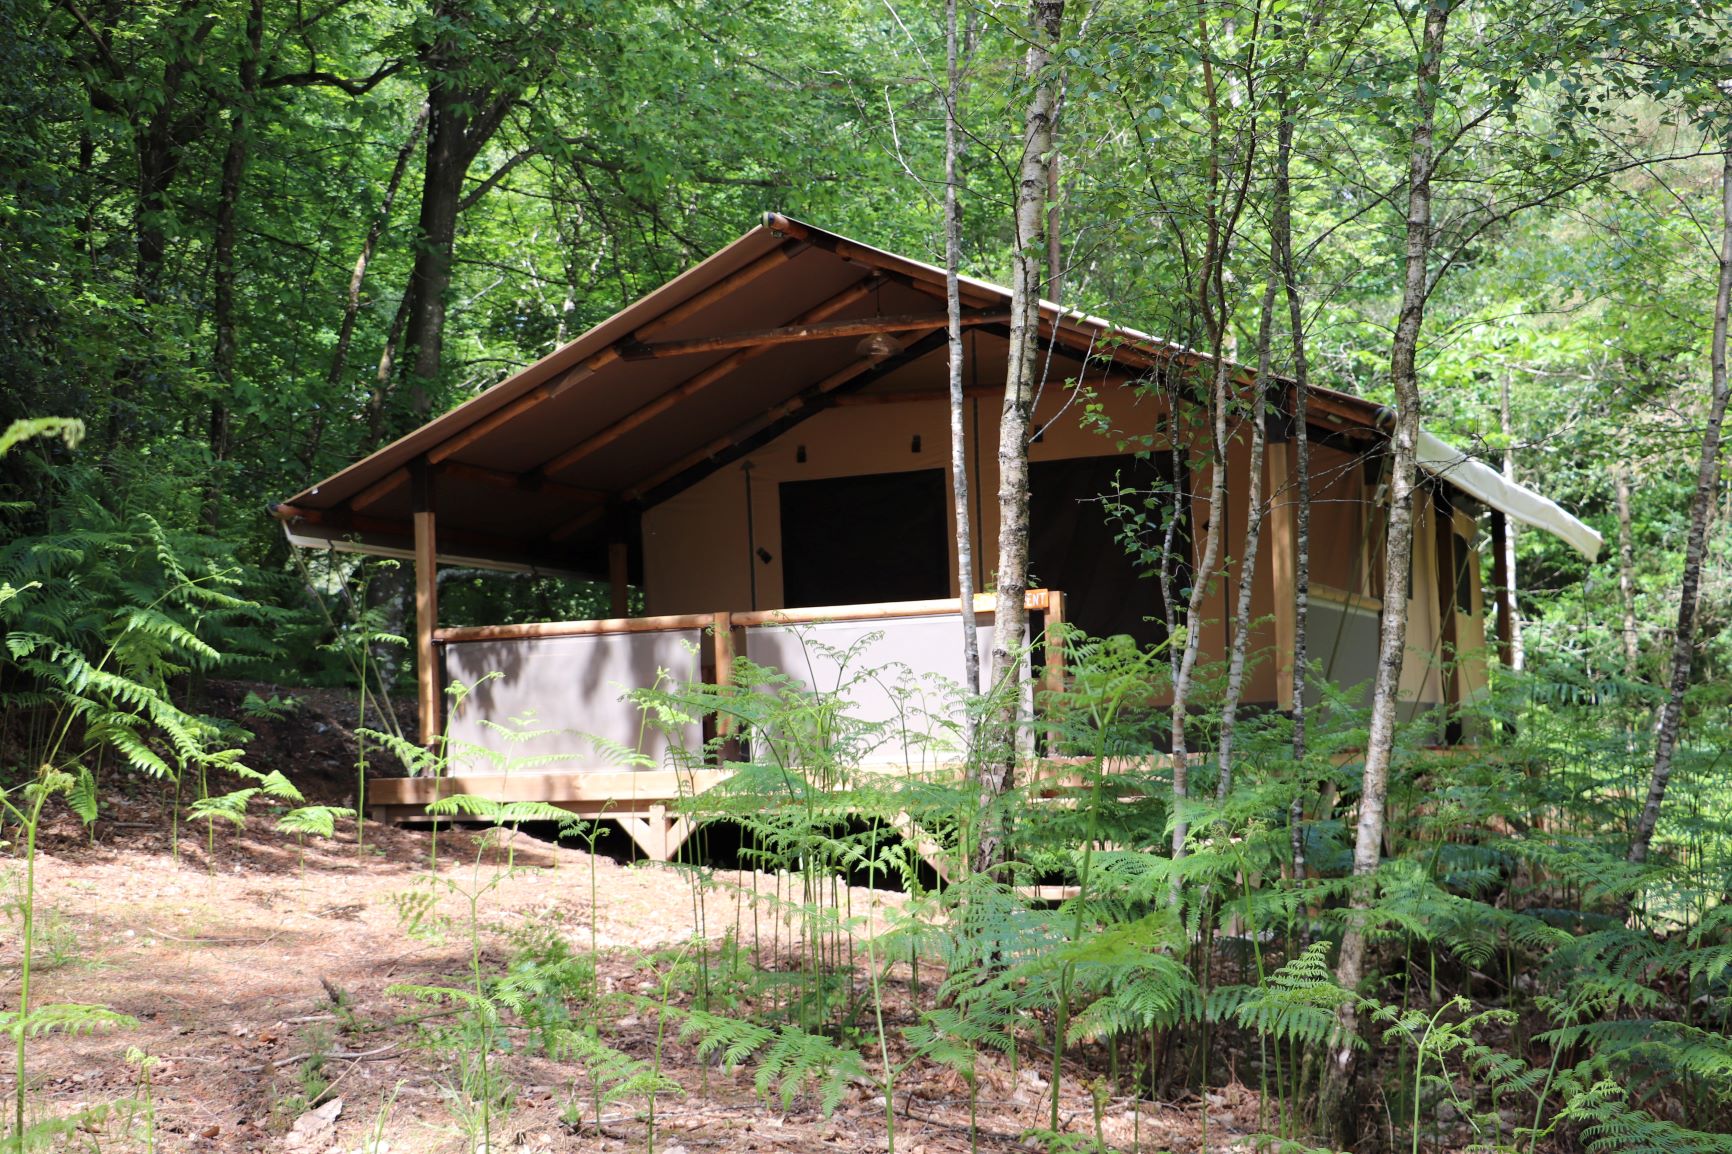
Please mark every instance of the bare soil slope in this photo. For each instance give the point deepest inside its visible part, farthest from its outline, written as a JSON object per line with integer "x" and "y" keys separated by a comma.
{"x": 230, "y": 962}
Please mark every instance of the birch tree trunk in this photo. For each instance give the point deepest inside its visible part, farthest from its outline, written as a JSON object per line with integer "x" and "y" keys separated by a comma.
{"x": 1509, "y": 537}
{"x": 1398, "y": 550}
{"x": 953, "y": 310}
{"x": 1046, "y": 18}
{"x": 1212, "y": 307}
{"x": 1626, "y": 570}
{"x": 1695, "y": 549}
{"x": 1254, "y": 511}
{"x": 1200, "y": 579}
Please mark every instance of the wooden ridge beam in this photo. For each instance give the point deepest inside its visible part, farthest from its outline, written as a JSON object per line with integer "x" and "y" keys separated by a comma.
{"x": 931, "y": 282}
{"x": 913, "y": 396}
{"x": 830, "y": 330}
{"x": 934, "y": 396}
{"x": 696, "y": 384}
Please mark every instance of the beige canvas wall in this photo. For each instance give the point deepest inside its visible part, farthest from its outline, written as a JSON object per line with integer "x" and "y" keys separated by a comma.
{"x": 698, "y": 556}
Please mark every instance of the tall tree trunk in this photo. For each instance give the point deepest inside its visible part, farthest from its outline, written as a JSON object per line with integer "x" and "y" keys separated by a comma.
{"x": 953, "y": 308}
{"x": 223, "y": 258}
{"x": 352, "y": 303}
{"x": 1283, "y": 245}
{"x": 461, "y": 119}
{"x": 378, "y": 419}
{"x": 1398, "y": 551}
{"x": 159, "y": 139}
{"x": 160, "y": 131}
{"x": 1254, "y": 511}
{"x": 1695, "y": 549}
{"x": 435, "y": 244}
{"x": 1516, "y": 659}
{"x": 1626, "y": 570}
{"x": 1046, "y": 18}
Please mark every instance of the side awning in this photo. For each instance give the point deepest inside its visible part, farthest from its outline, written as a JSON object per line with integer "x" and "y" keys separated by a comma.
{"x": 1488, "y": 486}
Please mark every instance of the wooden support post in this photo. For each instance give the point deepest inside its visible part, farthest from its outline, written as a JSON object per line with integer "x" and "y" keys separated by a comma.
{"x": 658, "y": 835}
{"x": 724, "y": 647}
{"x": 618, "y": 578}
{"x": 1283, "y": 565}
{"x": 427, "y": 678}
{"x": 1505, "y": 595}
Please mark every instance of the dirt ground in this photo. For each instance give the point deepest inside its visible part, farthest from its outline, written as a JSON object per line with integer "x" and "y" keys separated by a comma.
{"x": 248, "y": 958}
{"x": 230, "y": 964}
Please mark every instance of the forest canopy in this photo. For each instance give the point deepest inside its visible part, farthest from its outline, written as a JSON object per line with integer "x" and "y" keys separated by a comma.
{"x": 245, "y": 244}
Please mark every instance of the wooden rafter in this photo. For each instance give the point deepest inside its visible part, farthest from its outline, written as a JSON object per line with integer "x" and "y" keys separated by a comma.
{"x": 522, "y": 482}
{"x": 587, "y": 368}
{"x": 578, "y": 523}
{"x": 507, "y": 413}
{"x": 696, "y": 384}
{"x": 829, "y": 330}
{"x": 770, "y": 425}
{"x": 380, "y": 489}
{"x": 342, "y": 520}
{"x": 722, "y": 288}
{"x": 480, "y": 474}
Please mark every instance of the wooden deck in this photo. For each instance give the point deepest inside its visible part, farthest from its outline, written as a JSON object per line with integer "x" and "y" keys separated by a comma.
{"x": 643, "y": 802}
{"x": 638, "y": 800}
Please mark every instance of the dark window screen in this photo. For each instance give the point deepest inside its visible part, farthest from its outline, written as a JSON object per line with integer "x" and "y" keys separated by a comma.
{"x": 1463, "y": 575}
{"x": 1074, "y": 547}
{"x": 854, "y": 540}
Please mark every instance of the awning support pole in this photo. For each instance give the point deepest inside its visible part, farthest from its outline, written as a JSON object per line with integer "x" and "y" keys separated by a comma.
{"x": 426, "y": 603}
{"x": 618, "y": 579}
{"x": 1505, "y": 595}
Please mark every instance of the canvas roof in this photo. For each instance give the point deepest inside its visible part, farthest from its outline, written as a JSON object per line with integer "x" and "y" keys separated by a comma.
{"x": 542, "y": 470}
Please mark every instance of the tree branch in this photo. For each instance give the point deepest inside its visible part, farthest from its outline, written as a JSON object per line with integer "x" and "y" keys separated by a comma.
{"x": 320, "y": 78}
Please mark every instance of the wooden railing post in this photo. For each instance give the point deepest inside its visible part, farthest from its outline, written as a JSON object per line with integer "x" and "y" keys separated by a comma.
{"x": 426, "y": 603}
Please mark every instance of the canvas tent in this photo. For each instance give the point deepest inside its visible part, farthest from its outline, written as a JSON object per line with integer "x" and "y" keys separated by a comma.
{"x": 768, "y": 432}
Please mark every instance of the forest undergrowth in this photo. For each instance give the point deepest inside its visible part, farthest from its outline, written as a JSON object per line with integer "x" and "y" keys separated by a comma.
{"x": 1531, "y": 988}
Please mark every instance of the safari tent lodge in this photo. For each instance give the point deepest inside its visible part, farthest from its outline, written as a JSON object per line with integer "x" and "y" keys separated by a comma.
{"x": 761, "y": 448}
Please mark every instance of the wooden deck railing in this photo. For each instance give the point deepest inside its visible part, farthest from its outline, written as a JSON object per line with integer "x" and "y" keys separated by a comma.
{"x": 1035, "y": 600}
